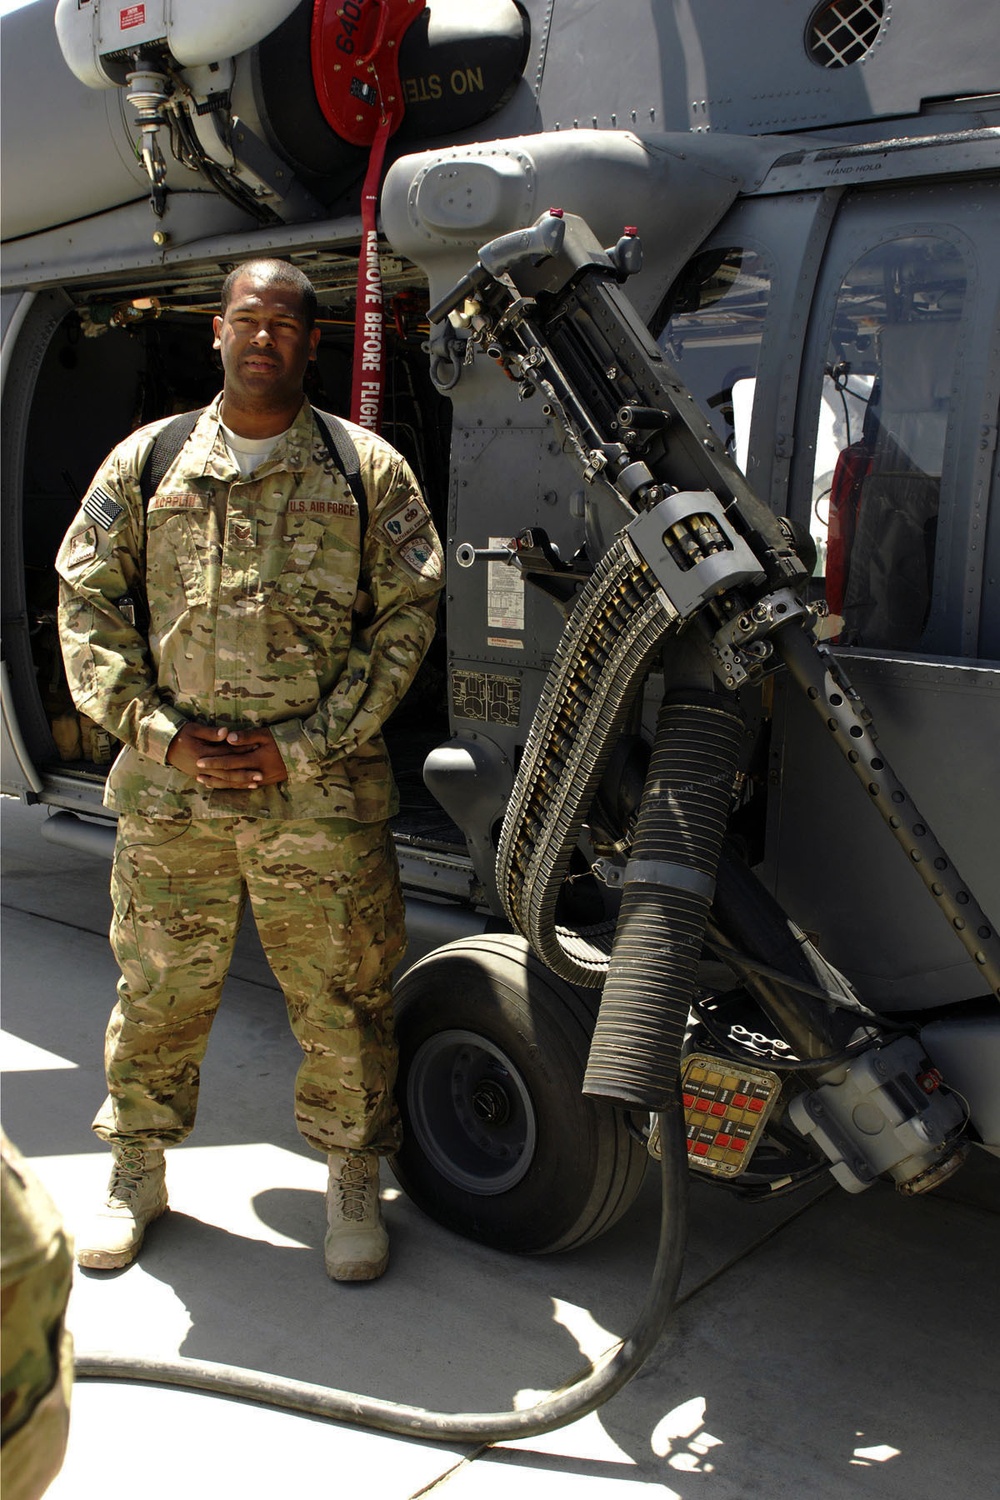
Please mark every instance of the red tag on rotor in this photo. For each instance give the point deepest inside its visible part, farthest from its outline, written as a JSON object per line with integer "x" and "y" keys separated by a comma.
{"x": 355, "y": 63}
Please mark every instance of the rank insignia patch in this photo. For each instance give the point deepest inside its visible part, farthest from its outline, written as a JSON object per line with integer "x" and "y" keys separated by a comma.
{"x": 82, "y": 548}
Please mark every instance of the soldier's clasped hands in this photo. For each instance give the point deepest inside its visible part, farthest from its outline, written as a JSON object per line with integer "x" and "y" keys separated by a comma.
{"x": 217, "y": 757}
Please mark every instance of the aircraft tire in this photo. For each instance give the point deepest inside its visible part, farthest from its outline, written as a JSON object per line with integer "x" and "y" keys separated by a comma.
{"x": 499, "y": 1142}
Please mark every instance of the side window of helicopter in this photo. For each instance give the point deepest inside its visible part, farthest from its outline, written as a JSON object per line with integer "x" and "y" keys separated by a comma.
{"x": 887, "y": 395}
{"x": 714, "y": 316}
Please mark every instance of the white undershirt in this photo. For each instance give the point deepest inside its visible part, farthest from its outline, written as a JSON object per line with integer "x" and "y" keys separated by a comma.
{"x": 249, "y": 453}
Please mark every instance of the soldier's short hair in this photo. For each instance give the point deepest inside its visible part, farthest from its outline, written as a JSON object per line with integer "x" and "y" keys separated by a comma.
{"x": 273, "y": 272}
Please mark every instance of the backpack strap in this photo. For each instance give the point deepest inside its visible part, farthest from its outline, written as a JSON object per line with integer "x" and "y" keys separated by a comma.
{"x": 165, "y": 447}
{"x": 340, "y": 446}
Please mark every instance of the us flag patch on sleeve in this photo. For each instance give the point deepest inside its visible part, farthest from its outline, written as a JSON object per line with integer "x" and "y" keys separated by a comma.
{"x": 100, "y": 507}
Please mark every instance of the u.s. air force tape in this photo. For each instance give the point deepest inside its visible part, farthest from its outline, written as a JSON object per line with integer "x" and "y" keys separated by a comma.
{"x": 100, "y": 507}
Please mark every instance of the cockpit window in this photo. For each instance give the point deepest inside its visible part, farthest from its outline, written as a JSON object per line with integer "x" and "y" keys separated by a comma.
{"x": 714, "y": 323}
{"x": 880, "y": 437}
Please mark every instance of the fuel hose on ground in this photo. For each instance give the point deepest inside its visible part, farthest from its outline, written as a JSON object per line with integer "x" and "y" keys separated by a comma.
{"x": 587, "y": 1391}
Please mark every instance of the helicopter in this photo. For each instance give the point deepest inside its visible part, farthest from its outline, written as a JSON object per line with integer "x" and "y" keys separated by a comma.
{"x": 685, "y": 309}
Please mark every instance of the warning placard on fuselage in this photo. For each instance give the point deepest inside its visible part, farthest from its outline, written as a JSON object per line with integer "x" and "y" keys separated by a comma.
{"x": 504, "y": 593}
{"x": 487, "y": 696}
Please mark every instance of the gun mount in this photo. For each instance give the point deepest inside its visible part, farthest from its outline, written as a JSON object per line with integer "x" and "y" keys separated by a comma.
{"x": 698, "y": 555}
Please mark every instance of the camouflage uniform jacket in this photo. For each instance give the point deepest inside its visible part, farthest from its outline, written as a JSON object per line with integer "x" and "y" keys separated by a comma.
{"x": 261, "y": 611}
{"x": 37, "y": 1350}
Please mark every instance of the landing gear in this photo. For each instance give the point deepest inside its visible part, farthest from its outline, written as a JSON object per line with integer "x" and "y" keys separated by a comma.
{"x": 499, "y": 1142}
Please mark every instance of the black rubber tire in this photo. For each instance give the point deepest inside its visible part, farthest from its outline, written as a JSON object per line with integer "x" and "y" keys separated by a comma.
{"x": 499, "y": 1142}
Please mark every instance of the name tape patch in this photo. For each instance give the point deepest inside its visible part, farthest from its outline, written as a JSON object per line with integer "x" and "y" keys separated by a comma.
{"x": 321, "y": 508}
{"x": 187, "y": 501}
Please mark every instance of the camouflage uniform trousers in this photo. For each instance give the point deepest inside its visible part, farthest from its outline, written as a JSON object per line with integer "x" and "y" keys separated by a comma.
{"x": 329, "y": 912}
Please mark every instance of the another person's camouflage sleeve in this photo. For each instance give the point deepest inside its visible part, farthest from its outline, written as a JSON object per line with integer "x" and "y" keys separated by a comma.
{"x": 404, "y": 573}
{"x": 110, "y": 674}
{"x": 37, "y": 1351}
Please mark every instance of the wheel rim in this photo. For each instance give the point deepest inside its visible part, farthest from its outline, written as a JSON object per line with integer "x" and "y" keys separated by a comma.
{"x": 471, "y": 1112}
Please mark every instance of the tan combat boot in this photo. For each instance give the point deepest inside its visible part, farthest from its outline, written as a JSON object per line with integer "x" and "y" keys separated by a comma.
{"x": 357, "y": 1245}
{"x": 137, "y": 1194}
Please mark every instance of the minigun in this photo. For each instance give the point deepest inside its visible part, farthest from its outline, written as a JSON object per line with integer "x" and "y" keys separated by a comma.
{"x": 699, "y": 557}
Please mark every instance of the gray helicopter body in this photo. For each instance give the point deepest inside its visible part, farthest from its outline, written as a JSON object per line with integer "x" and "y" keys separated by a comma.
{"x": 815, "y": 189}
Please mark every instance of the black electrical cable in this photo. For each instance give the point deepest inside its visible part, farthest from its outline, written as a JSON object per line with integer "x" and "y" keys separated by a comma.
{"x": 756, "y": 966}
{"x": 762, "y": 1192}
{"x": 587, "y": 1391}
{"x": 734, "y": 1052}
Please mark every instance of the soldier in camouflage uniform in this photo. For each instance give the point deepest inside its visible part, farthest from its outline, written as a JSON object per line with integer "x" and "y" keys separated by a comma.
{"x": 37, "y": 1349}
{"x": 251, "y": 707}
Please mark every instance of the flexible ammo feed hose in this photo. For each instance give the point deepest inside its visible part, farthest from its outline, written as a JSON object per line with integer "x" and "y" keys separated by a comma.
{"x": 585, "y": 1393}
{"x": 669, "y": 885}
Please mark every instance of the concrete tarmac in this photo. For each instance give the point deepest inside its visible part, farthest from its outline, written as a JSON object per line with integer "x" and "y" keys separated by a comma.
{"x": 824, "y": 1347}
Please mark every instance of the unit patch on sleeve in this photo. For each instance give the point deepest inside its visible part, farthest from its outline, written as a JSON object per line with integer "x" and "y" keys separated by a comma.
{"x": 422, "y": 558}
{"x": 100, "y": 507}
{"x": 404, "y": 522}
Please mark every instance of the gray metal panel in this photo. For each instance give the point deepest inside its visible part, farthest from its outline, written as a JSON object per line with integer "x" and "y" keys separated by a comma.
{"x": 720, "y": 66}
{"x": 982, "y": 460}
{"x": 439, "y": 207}
{"x": 115, "y": 248}
{"x": 834, "y": 864}
{"x": 117, "y": 243}
{"x": 13, "y": 306}
{"x": 971, "y": 144}
{"x": 65, "y": 149}
{"x": 504, "y": 479}
{"x": 18, "y": 777}
{"x": 28, "y": 339}
{"x": 989, "y": 619}
{"x": 967, "y": 1050}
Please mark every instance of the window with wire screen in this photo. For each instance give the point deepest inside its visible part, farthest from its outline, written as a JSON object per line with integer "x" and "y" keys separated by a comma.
{"x": 714, "y": 322}
{"x": 880, "y": 437}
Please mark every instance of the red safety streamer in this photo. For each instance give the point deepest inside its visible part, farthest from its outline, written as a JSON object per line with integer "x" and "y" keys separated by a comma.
{"x": 355, "y": 64}
{"x": 368, "y": 377}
